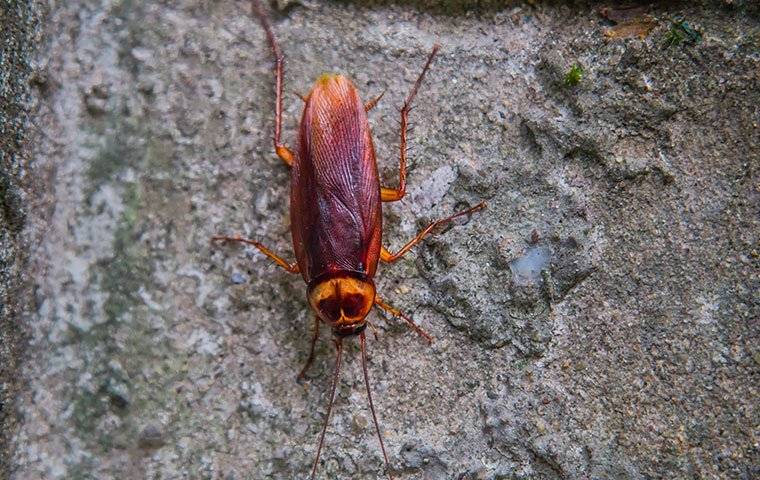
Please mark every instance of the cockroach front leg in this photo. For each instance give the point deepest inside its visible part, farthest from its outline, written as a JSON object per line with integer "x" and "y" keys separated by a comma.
{"x": 394, "y": 194}
{"x": 389, "y": 257}
{"x": 291, "y": 267}
{"x": 279, "y": 60}
{"x": 310, "y": 360}
{"x": 398, "y": 313}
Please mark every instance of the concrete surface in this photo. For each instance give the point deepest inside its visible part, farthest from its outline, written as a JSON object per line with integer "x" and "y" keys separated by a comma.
{"x": 19, "y": 35}
{"x": 599, "y": 320}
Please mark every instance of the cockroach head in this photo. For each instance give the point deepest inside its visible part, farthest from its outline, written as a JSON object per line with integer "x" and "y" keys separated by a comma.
{"x": 343, "y": 300}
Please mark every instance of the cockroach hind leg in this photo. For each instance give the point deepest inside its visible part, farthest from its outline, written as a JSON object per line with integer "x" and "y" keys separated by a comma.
{"x": 285, "y": 154}
{"x": 291, "y": 267}
{"x": 399, "y": 314}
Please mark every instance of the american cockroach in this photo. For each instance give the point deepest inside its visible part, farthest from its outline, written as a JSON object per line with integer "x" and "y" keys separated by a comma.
{"x": 336, "y": 213}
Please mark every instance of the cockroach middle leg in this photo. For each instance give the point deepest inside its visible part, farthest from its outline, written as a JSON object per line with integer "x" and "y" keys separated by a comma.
{"x": 291, "y": 267}
{"x": 398, "y": 313}
{"x": 310, "y": 360}
{"x": 394, "y": 194}
{"x": 285, "y": 154}
{"x": 389, "y": 257}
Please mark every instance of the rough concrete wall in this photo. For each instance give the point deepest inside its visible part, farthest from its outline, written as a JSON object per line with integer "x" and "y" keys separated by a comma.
{"x": 18, "y": 38}
{"x": 598, "y": 320}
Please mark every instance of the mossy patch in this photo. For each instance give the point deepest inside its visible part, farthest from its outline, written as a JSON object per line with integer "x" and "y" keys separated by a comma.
{"x": 116, "y": 395}
{"x": 573, "y": 76}
{"x": 119, "y": 150}
{"x": 681, "y": 32}
{"x": 120, "y": 277}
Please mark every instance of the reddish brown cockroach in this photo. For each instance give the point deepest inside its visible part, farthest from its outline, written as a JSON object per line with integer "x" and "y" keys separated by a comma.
{"x": 335, "y": 212}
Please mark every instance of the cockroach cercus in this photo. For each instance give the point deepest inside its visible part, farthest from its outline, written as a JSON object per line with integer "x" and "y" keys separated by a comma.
{"x": 336, "y": 213}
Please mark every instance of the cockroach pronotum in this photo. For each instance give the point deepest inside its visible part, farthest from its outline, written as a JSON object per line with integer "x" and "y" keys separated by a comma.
{"x": 336, "y": 214}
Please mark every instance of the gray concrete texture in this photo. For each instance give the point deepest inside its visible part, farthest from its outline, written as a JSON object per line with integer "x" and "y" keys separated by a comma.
{"x": 599, "y": 320}
{"x": 19, "y": 34}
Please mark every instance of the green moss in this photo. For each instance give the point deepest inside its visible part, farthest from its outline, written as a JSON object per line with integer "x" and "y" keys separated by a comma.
{"x": 574, "y": 75}
{"x": 127, "y": 370}
{"x": 81, "y": 471}
{"x": 118, "y": 350}
{"x": 127, "y": 270}
{"x": 118, "y": 150}
{"x": 120, "y": 278}
{"x": 87, "y": 408}
{"x": 681, "y": 32}
{"x": 158, "y": 155}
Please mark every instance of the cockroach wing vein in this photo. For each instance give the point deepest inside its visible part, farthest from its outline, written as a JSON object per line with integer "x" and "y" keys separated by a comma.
{"x": 335, "y": 201}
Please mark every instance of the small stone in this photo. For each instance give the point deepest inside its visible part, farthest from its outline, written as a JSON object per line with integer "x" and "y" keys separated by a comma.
{"x": 95, "y": 105}
{"x": 118, "y": 394}
{"x": 360, "y": 422}
{"x": 141, "y": 54}
{"x": 151, "y": 437}
{"x": 284, "y": 4}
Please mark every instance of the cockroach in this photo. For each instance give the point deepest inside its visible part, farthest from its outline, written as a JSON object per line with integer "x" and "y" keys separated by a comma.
{"x": 336, "y": 212}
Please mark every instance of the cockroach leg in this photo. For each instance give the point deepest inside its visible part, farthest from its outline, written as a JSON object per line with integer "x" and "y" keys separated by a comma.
{"x": 336, "y": 377}
{"x": 309, "y": 360}
{"x": 279, "y": 61}
{"x": 398, "y": 313}
{"x": 395, "y": 194}
{"x": 291, "y": 267}
{"x": 374, "y": 329}
{"x": 285, "y": 154}
{"x": 362, "y": 344}
{"x": 389, "y": 257}
{"x": 372, "y": 103}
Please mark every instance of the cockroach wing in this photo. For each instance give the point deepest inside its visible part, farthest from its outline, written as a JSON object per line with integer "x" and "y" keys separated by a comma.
{"x": 335, "y": 210}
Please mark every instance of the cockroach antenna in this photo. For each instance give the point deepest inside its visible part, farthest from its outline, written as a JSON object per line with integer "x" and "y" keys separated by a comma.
{"x": 336, "y": 378}
{"x": 363, "y": 346}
